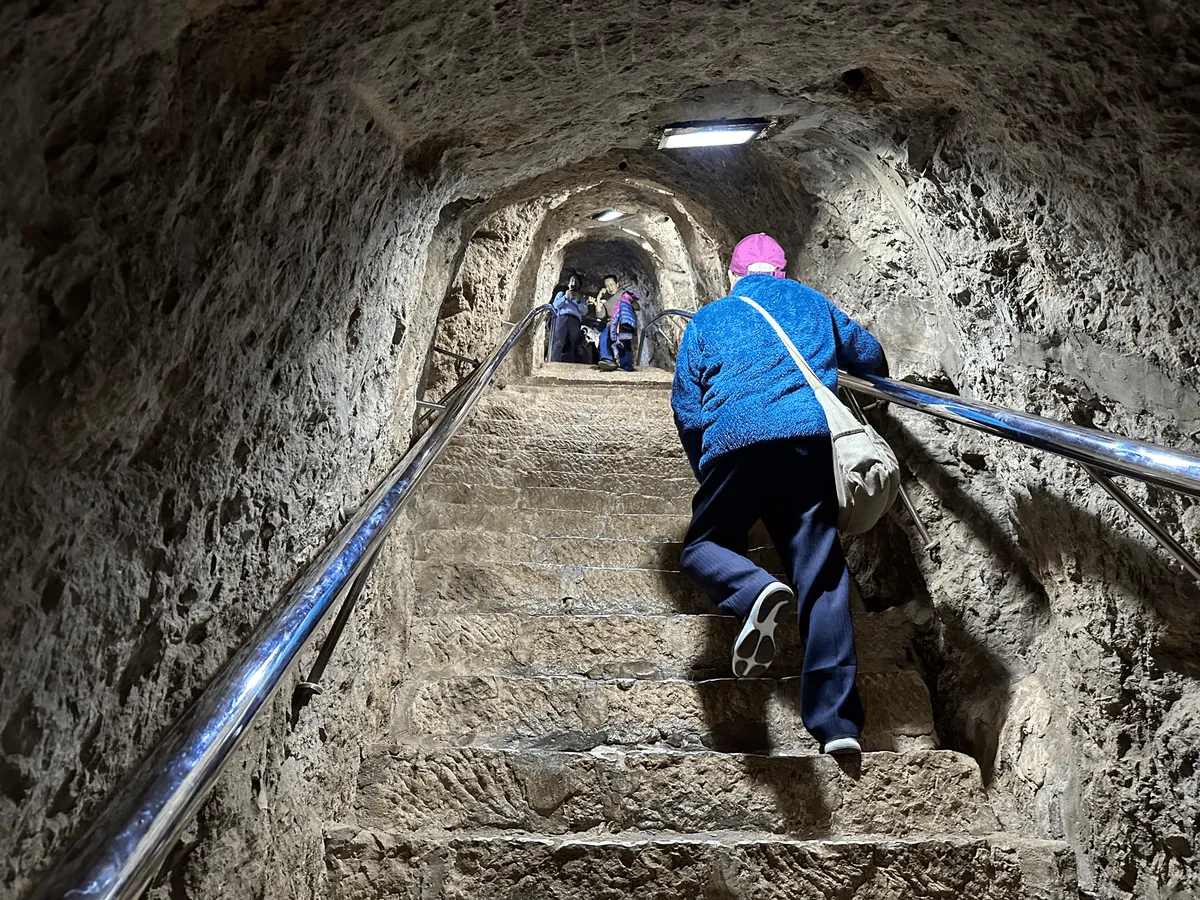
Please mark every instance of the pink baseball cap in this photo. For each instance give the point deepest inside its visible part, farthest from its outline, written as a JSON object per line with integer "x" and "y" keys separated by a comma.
{"x": 761, "y": 249}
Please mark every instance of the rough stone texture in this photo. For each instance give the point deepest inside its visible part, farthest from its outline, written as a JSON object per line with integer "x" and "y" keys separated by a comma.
{"x": 418, "y": 789}
{"x": 209, "y": 331}
{"x": 752, "y": 716}
{"x": 367, "y": 864}
{"x": 694, "y": 646}
{"x": 203, "y": 199}
{"x": 565, "y": 723}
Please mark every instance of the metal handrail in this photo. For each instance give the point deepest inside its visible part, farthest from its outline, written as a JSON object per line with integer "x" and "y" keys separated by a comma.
{"x": 1172, "y": 469}
{"x": 125, "y": 846}
{"x": 1100, "y": 454}
{"x": 640, "y": 355}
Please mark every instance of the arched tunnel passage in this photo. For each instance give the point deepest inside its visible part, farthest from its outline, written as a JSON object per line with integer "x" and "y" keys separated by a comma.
{"x": 233, "y": 233}
{"x": 596, "y": 258}
{"x": 633, "y": 268}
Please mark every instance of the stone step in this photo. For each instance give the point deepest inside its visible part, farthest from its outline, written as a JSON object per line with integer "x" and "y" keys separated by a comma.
{"x": 736, "y": 716}
{"x": 560, "y": 403}
{"x": 454, "y": 545}
{"x": 428, "y": 513}
{"x": 502, "y": 480}
{"x": 643, "y": 647}
{"x": 572, "y": 375}
{"x": 614, "y": 502}
{"x": 644, "y": 437}
{"x": 443, "y": 586}
{"x": 464, "y": 788}
{"x": 620, "y": 447}
{"x": 563, "y": 406}
{"x": 473, "y": 457}
{"x": 365, "y": 864}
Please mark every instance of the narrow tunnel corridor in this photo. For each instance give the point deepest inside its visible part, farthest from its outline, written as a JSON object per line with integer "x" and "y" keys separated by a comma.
{"x": 250, "y": 249}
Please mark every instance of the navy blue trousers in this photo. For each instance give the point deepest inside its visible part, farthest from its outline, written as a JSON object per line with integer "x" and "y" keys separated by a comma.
{"x": 568, "y": 340}
{"x": 789, "y": 485}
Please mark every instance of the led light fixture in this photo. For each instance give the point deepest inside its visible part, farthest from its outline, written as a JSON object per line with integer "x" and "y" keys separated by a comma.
{"x": 609, "y": 215}
{"x": 630, "y": 231}
{"x": 711, "y": 134}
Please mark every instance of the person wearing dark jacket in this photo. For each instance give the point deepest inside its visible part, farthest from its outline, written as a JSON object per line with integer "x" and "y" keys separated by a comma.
{"x": 759, "y": 445}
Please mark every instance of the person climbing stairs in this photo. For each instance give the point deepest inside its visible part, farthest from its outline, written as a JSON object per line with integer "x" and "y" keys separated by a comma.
{"x": 571, "y": 727}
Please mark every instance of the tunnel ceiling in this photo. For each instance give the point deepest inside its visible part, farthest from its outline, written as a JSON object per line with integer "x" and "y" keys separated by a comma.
{"x": 1060, "y": 84}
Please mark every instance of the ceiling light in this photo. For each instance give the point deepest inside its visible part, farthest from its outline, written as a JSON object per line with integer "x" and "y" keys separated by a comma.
{"x": 630, "y": 231}
{"x": 711, "y": 134}
{"x": 609, "y": 215}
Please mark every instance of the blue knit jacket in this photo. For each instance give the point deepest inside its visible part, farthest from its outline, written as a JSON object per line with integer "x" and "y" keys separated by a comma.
{"x": 736, "y": 384}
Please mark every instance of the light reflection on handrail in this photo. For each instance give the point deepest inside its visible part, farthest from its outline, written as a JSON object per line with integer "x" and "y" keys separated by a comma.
{"x": 1118, "y": 455}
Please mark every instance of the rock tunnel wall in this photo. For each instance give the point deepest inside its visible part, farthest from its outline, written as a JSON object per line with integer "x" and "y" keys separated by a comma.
{"x": 228, "y": 231}
{"x": 1057, "y": 640}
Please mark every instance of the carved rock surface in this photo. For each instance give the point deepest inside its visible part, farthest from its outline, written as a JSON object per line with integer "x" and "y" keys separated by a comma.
{"x": 365, "y": 865}
{"x": 230, "y": 233}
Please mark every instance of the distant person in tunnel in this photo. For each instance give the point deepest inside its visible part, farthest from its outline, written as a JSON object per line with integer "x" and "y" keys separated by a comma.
{"x": 616, "y": 342}
{"x": 759, "y": 444}
{"x": 570, "y": 306}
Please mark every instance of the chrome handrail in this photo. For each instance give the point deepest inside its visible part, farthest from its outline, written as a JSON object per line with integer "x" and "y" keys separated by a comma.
{"x": 125, "y": 846}
{"x": 1117, "y": 455}
{"x": 1100, "y": 454}
{"x": 640, "y": 355}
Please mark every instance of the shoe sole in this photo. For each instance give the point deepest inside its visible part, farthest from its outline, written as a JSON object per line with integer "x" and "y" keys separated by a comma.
{"x": 754, "y": 648}
{"x": 836, "y": 748}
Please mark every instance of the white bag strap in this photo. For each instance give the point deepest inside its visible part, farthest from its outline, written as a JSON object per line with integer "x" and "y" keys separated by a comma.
{"x": 809, "y": 375}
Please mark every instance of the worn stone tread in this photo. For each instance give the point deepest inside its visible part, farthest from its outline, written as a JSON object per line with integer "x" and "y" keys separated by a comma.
{"x": 475, "y": 460}
{"x": 455, "y": 788}
{"x": 557, "y": 374}
{"x": 430, "y": 514}
{"x": 456, "y": 544}
{"x": 572, "y": 713}
{"x": 571, "y": 407}
{"x": 368, "y": 864}
{"x": 443, "y": 586}
{"x": 623, "y": 646}
{"x": 453, "y": 545}
{"x": 618, "y": 446}
{"x": 499, "y": 480}
{"x": 516, "y": 499}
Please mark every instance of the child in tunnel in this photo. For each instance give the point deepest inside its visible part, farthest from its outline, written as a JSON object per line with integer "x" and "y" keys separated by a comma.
{"x": 760, "y": 446}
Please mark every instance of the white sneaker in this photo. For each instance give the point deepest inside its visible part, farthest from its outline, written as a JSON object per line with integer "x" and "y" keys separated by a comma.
{"x": 842, "y": 746}
{"x": 754, "y": 649}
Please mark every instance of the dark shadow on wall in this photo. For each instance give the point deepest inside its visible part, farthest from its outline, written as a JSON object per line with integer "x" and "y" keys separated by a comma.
{"x": 1053, "y": 532}
{"x": 1055, "y": 529}
{"x": 970, "y": 683}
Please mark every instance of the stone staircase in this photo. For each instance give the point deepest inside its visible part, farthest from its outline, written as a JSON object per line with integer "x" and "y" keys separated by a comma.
{"x": 571, "y": 728}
